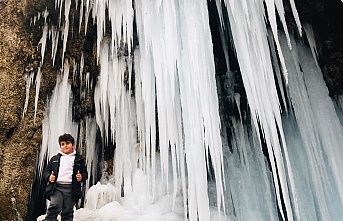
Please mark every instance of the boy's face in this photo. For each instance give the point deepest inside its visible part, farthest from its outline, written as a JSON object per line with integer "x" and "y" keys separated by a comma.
{"x": 66, "y": 147}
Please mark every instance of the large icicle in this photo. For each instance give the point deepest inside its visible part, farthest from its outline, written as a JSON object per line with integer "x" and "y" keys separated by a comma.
{"x": 199, "y": 103}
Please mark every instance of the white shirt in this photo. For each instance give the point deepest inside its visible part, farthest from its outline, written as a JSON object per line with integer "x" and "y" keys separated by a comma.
{"x": 65, "y": 172}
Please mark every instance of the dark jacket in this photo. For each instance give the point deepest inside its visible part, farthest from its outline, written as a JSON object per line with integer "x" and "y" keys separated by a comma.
{"x": 54, "y": 165}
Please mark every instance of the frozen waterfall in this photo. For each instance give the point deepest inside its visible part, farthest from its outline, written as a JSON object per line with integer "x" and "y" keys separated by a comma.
{"x": 187, "y": 145}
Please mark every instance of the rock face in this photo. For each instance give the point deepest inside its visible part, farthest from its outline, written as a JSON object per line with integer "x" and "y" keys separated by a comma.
{"x": 17, "y": 152}
{"x": 20, "y": 136}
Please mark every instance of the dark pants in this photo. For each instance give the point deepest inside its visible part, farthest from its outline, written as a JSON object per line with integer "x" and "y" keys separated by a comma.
{"x": 61, "y": 200}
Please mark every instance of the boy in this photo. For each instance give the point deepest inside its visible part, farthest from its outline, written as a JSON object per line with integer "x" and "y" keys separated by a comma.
{"x": 64, "y": 174}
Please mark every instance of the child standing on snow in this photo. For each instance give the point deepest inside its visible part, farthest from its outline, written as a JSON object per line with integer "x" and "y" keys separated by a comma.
{"x": 64, "y": 174}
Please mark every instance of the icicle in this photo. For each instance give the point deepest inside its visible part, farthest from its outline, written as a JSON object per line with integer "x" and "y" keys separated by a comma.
{"x": 224, "y": 35}
{"x": 276, "y": 66}
{"x": 82, "y": 64}
{"x": 65, "y": 31}
{"x": 272, "y": 20}
{"x": 54, "y": 43}
{"x": 296, "y": 16}
{"x": 58, "y": 5}
{"x": 77, "y": 4}
{"x": 311, "y": 39}
{"x": 139, "y": 111}
{"x": 29, "y": 80}
{"x": 91, "y": 150}
{"x": 81, "y": 17}
{"x": 88, "y": 83}
{"x": 42, "y": 41}
{"x": 38, "y": 81}
{"x": 75, "y": 68}
{"x": 115, "y": 113}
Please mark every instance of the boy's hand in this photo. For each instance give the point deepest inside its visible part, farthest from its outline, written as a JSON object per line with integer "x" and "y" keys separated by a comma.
{"x": 78, "y": 176}
{"x": 52, "y": 177}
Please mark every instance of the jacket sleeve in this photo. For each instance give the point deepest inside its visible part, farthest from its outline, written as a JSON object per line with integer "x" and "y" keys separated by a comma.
{"x": 83, "y": 171}
{"x": 47, "y": 172}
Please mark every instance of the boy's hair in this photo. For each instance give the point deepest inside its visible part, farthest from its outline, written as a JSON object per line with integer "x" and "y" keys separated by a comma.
{"x": 66, "y": 137}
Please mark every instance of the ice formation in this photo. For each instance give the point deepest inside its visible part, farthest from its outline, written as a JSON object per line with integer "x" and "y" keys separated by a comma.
{"x": 281, "y": 161}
